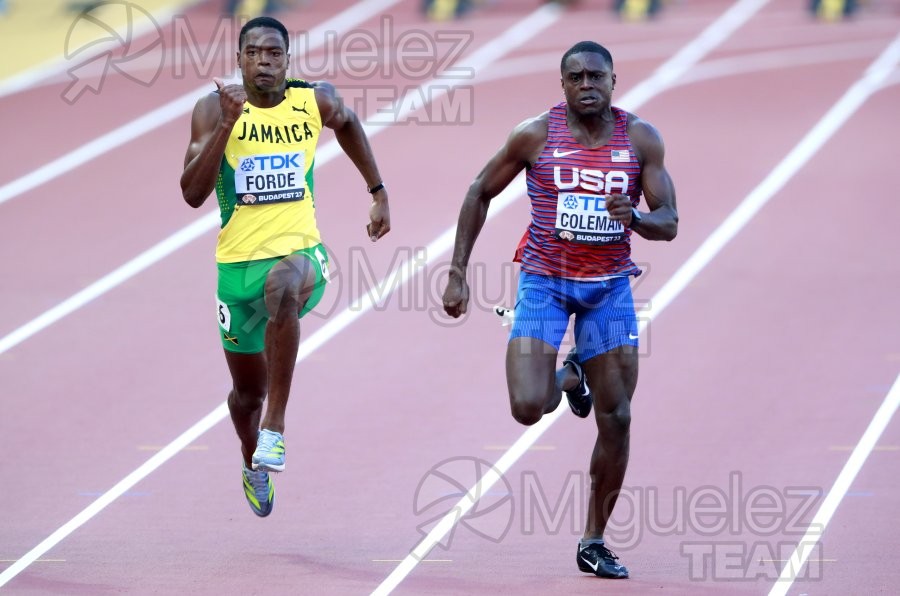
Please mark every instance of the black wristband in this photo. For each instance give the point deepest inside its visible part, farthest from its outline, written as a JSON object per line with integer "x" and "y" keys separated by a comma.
{"x": 375, "y": 188}
{"x": 636, "y": 219}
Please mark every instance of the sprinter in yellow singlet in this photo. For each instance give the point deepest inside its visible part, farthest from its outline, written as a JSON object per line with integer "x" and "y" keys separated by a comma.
{"x": 255, "y": 145}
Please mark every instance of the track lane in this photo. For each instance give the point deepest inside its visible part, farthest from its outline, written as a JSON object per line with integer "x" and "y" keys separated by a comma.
{"x": 324, "y": 561}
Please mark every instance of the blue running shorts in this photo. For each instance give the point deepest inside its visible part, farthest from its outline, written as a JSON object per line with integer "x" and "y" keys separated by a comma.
{"x": 604, "y": 312}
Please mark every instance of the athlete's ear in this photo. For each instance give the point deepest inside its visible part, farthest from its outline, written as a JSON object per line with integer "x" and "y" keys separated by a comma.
{"x": 614, "y": 80}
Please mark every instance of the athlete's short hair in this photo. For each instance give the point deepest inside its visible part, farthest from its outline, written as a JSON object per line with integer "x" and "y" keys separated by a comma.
{"x": 264, "y": 22}
{"x": 591, "y": 47}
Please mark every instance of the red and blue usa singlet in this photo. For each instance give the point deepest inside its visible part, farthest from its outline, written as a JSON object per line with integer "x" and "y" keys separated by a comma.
{"x": 571, "y": 234}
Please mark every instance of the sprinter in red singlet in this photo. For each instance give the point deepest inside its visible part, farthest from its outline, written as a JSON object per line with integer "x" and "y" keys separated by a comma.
{"x": 588, "y": 165}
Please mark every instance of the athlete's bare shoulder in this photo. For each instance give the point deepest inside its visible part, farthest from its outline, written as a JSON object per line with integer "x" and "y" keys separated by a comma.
{"x": 645, "y": 139}
{"x": 331, "y": 106}
{"x": 209, "y": 103}
{"x": 533, "y": 129}
{"x": 323, "y": 88}
{"x": 207, "y": 112}
{"x": 527, "y": 140}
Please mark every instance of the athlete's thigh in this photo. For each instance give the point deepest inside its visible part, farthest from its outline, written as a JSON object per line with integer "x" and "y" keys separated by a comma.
{"x": 241, "y": 309}
{"x": 604, "y": 316}
{"x": 539, "y": 325}
{"x": 249, "y": 372}
{"x": 612, "y": 377}
{"x": 530, "y": 366}
{"x": 540, "y": 311}
{"x": 298, "y": 276}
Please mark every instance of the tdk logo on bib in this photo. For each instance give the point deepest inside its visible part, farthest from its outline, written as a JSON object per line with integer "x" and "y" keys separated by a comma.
{"x": 582, "y": 217}
{"x": 267, "y": 179}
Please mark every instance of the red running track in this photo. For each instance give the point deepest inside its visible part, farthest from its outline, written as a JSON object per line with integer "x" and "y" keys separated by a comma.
{"x": 757, "y": 380}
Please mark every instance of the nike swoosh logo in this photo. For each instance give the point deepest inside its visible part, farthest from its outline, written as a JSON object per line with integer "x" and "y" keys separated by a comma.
{"x": 591, "y": 565}
{"x": 558, "y": 153}
{"x": 633, "y": 336}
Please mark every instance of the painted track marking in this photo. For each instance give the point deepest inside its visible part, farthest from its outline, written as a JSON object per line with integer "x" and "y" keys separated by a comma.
{"x": 524, "y": 30}
{"x": 876, "y": 74}
{"x": 838, "y": 491}
{"x": 164, "y": 114}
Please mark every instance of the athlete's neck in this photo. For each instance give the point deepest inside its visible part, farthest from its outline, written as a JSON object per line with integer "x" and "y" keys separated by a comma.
{"x": 591, "y": 130}
{"x": 265, "y": 99}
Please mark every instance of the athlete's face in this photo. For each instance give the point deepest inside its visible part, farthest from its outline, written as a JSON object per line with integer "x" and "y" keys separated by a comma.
{"x": 588, "y": 82}
{"x": 263, "y": 59}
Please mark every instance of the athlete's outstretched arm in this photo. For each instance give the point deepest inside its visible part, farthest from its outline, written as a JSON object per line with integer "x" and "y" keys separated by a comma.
{"x": 211, "y": 123}
{"x": 661, "y": 223}
{"x": 352, "y": 138}
{"x": 522, "y": 149}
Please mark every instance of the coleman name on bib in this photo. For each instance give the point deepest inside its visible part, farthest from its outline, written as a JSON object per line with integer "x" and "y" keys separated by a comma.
{"x": 267, "y": 179}
{"x": 583, "y": 219}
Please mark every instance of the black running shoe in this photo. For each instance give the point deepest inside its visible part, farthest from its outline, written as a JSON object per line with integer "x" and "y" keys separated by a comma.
{"x": 580, "y": 398}
{"x": 599, "y": 560}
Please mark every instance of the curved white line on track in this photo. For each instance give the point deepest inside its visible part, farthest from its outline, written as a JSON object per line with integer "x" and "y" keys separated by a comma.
{"x": 521, "y": 32}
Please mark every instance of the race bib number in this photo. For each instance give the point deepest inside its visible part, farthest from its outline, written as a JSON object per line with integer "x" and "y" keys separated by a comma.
{"x": 224, "y": 315}
{"x": 323, "y": 264}
{"x": 268, "y": 179}
{"x": 583, "y": 219}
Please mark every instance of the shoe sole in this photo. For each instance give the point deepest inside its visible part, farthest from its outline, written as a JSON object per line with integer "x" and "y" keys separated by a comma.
{"x": 264, "y": 467}
{"x": 260, "y": 514}
{"x": 592, "y": 572}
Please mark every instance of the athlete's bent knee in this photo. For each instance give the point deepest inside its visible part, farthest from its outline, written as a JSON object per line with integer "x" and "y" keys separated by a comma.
{"x": 246, "y": 400}
{"x": 526, "y": 411}
{"x": 618, "y": 420}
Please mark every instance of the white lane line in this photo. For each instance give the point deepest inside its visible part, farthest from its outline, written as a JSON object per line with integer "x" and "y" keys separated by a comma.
{"x": 841, "y": 485}
{"x": 739, "y": 218}
{"x": 341, "y": 22}
{"x": 426, "y": 92}
{"x": 783, "y": 59}
{"x": 114, "y": 493}
{"x": 824, "y": 129}
{"x": 774, "y": 60}
{"x": 535, "y": 23}
{"x": 661, "y": 79}
{"x": 876, "y": 75}
{"x": 711, "y": 37}
{"x": 40, "y": 73}
{"x": 152, "y": 120}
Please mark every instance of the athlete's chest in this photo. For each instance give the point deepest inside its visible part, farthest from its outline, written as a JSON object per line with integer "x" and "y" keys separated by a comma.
{"x": 257, "y": 132}
{"x": 601, "y": 170}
